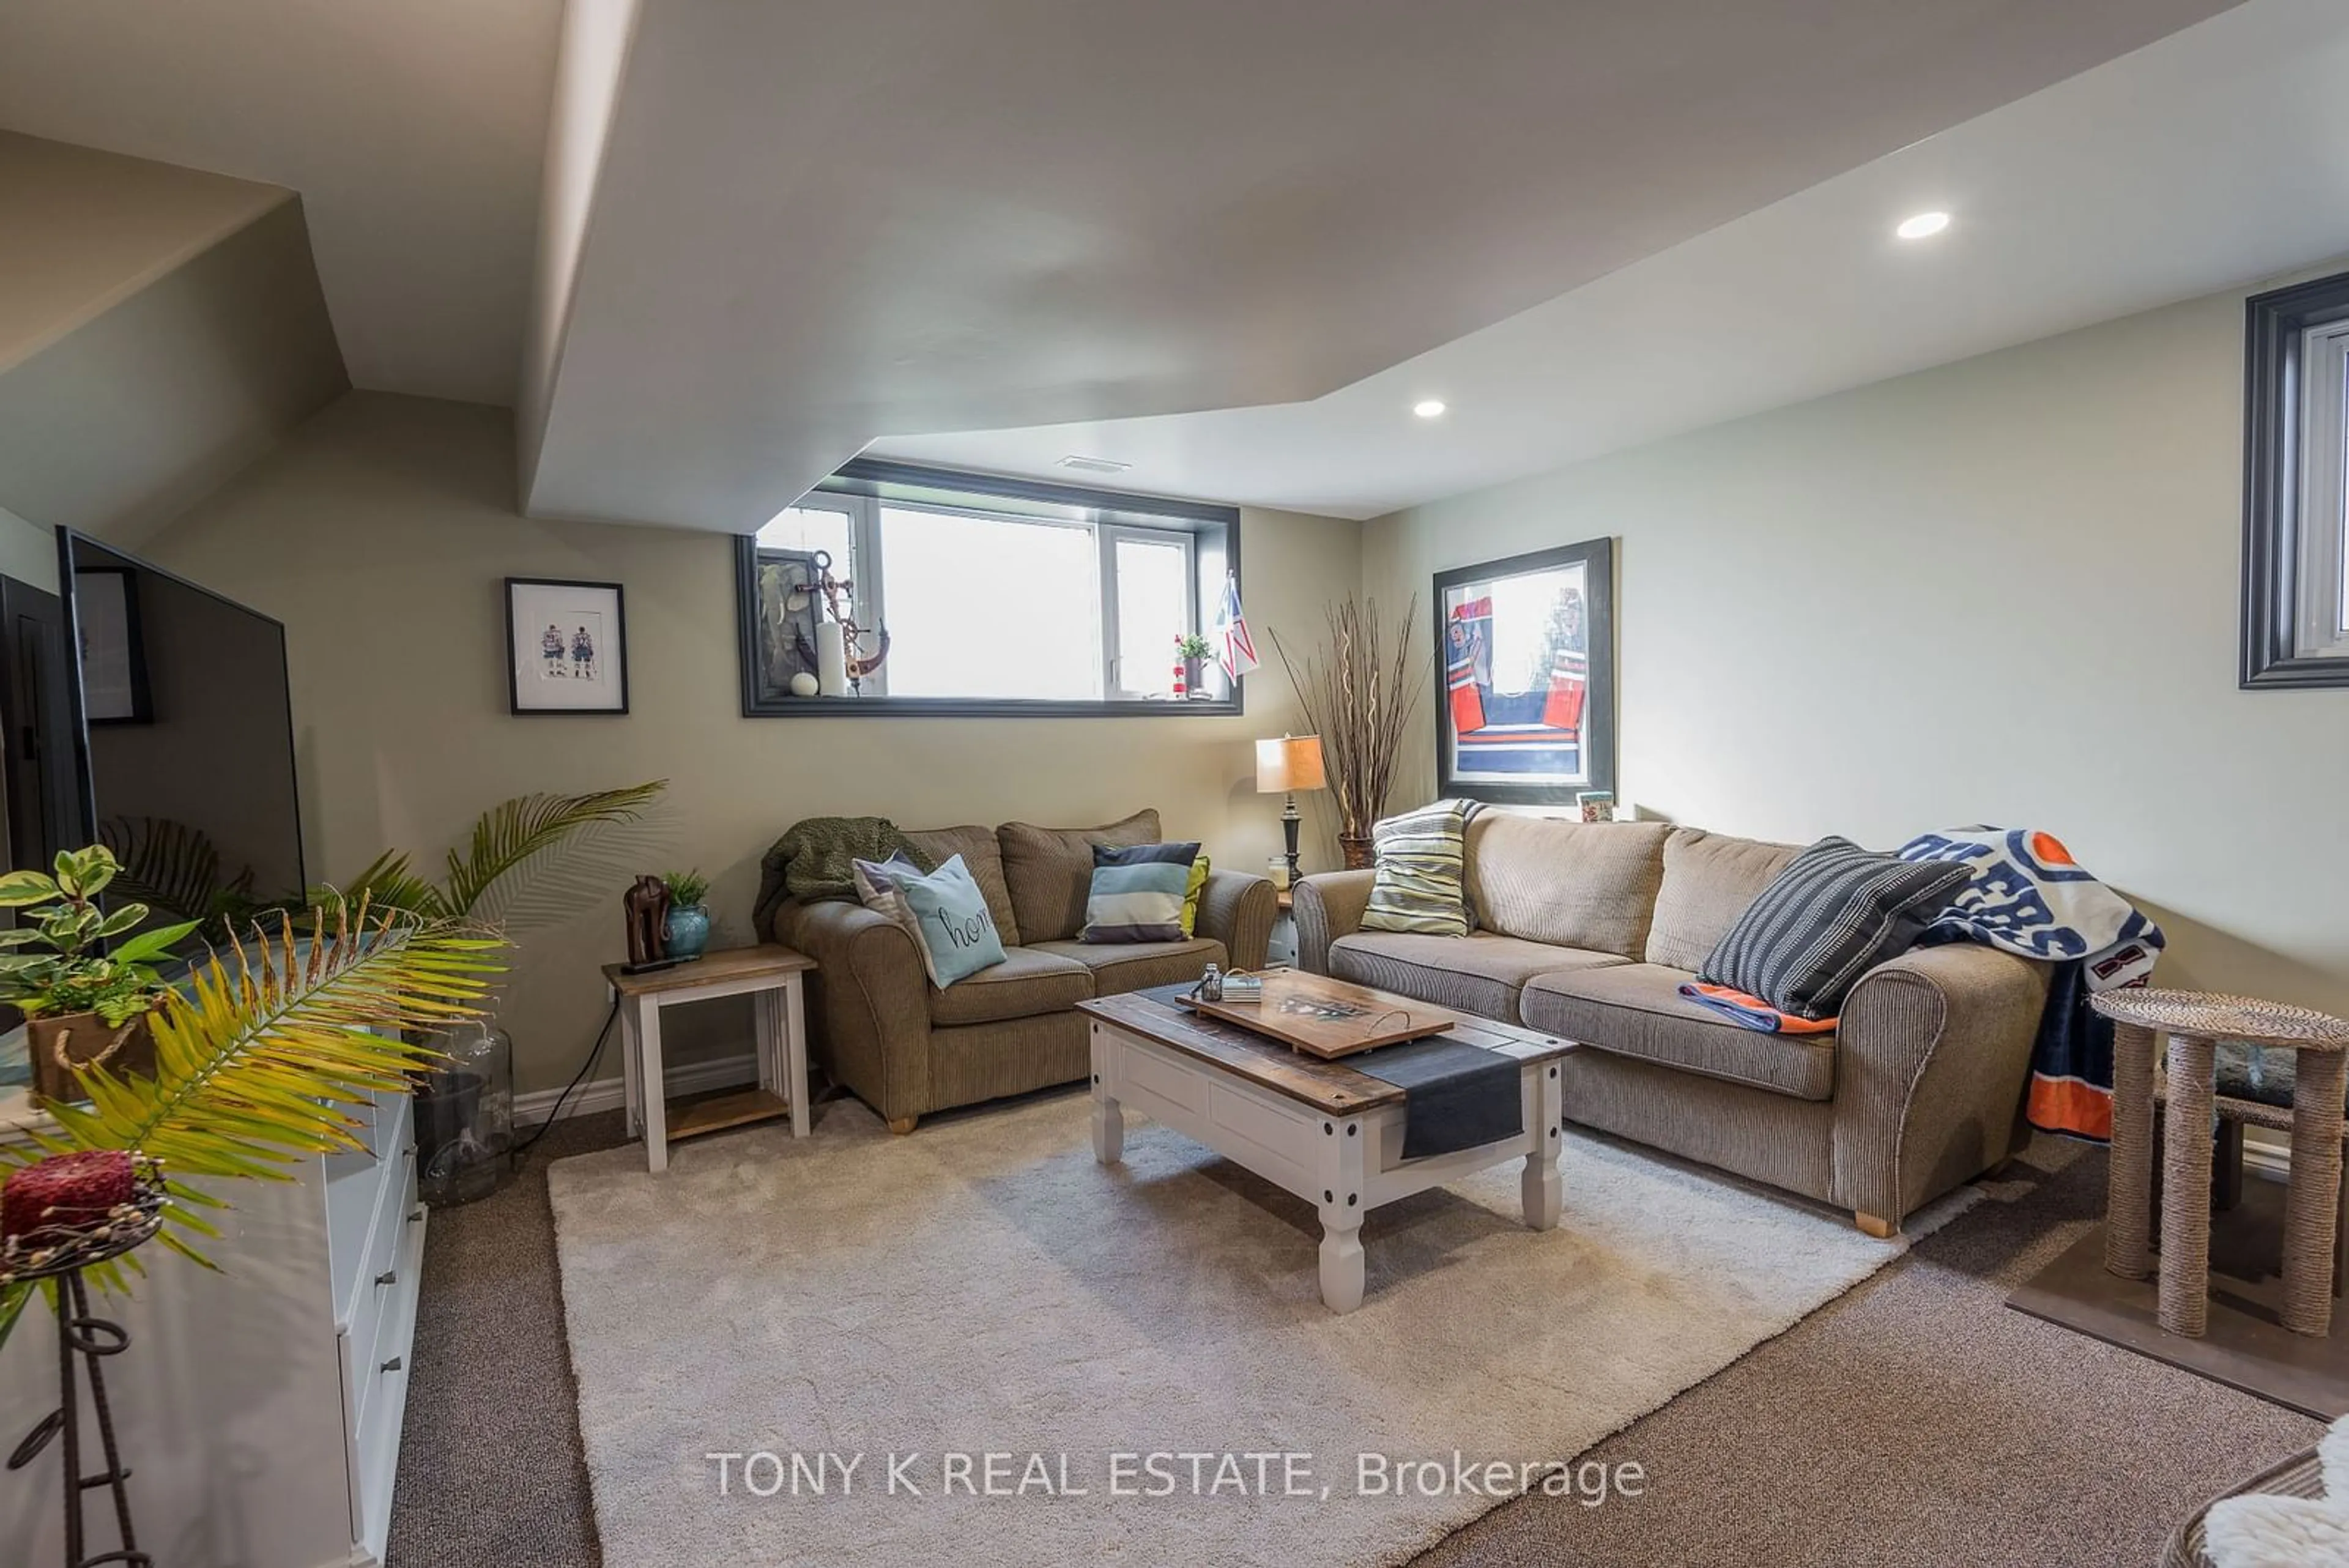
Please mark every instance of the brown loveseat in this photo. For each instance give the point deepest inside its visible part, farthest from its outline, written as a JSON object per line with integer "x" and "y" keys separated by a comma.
{"x": 1587, "y": 930}
{"x": 906, "y": 1048}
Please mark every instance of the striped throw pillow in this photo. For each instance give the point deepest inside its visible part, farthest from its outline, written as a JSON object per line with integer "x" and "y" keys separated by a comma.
{"x": 1421, "y": 857}
{"x": 1137, "y": 893}
{"x": 1833, "y": 914}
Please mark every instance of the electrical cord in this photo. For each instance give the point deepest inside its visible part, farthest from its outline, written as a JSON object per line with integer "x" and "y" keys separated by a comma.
{"x": 555, "y": 1113}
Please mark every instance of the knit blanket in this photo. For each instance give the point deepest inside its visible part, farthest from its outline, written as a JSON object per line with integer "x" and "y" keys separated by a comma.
{"x": 2028, "y": 897}
{"x": 816, "y": 860}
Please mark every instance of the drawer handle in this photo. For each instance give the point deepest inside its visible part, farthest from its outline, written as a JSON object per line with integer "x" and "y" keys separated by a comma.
{"x": 391, "y": 1365}
{"x": 389, "y": 1277}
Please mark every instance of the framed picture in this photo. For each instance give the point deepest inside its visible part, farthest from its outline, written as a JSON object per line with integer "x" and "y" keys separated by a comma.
{"x": 566, "y": 647}
{"x": 1527, "y": 651}
{"x": 113, "y": 653}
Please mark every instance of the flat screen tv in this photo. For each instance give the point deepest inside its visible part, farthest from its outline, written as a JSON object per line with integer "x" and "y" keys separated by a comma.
{"x": 184, "y": 737}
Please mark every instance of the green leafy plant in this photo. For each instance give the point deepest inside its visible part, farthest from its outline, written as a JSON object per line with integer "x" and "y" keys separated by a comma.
{"x": 65, "y": 921}
{"x": 260, "y": 1051}
{"x": 1193, "y": 645}
{"x": 514, "y": 844}
{"x": 687, "y": 886}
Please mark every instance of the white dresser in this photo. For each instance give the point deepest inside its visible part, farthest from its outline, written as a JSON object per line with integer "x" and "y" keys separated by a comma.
{"x": 259, "y": 1409}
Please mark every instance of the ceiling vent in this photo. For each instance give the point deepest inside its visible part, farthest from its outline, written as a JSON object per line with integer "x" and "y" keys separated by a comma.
{"x": 1093, "y": 464}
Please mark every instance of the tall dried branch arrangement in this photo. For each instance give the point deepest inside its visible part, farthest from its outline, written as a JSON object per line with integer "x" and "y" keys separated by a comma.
{"x": 1359, "y": 691}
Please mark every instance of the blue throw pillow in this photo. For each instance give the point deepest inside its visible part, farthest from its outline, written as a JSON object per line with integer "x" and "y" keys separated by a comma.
{"x": 947, "y": 914}
{"x": 1137, "y": 893}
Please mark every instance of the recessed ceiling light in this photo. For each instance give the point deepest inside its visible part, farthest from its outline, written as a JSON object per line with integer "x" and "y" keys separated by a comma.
{"x": 1428, "y": 408}
{"x": 1922, "y": 226}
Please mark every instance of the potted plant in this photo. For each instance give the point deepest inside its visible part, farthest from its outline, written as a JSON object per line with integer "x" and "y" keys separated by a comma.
{"x": 257, "y": 1056}
{"x": 84, "y": 1005}
{"x": 1357, "y": 695}
{"x": 1195, "y": 651}
{"x": 687, "y": 925}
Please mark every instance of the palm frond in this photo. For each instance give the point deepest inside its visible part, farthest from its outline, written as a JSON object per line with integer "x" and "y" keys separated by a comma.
{"x": 521, "y": 838}
{"x": 389, "y": 883}
{"x": 258, "y": 1054}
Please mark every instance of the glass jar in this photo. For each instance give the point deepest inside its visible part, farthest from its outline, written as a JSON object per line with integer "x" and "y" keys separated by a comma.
{"x": 464, "y": 1115}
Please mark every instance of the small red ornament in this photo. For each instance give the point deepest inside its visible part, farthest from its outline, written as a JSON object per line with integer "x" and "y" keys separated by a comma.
{"x": 68, "y": 1192}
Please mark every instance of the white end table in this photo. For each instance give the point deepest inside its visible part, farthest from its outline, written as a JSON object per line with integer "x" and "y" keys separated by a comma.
{"x": 770, "y": 974}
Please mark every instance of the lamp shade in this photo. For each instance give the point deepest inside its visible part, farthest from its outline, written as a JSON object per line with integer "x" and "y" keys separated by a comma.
{"x": 1290, "y": 763}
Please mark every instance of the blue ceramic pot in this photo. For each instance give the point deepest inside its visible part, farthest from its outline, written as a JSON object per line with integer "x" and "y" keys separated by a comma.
{"x": 688, "y": 930}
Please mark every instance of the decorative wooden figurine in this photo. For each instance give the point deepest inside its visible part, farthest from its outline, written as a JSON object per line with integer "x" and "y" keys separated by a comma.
{"x": 646, "y": 904}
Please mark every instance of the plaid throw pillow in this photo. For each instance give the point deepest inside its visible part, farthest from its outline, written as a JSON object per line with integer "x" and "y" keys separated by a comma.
{"x": 1422, "y": 856}
{"x": 1834, "y": 913}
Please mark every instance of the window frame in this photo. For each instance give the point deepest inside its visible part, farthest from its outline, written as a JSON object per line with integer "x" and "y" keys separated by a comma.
{"x": 1209, "y": 535}
{"x": 2295, "y": 469}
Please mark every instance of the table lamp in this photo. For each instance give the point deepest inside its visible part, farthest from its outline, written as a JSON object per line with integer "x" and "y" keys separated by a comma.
{"x": 1283, "y": 767}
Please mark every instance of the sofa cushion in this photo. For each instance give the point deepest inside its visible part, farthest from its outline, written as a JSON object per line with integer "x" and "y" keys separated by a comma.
{"x": 1709, "y": 880}
{"x": 1025, "y": 984}
{"x": 1416, "y": 884}
{"x": 1637, "y": 1009}
{"x": 982, "y": 858}
{"x": 1121, "y": 967}
{"x": 1589, "y": 884}
{"x": 1832, "y": 915}
{"x": 1049, "y": 871}
{"x": 1480, "y": 974}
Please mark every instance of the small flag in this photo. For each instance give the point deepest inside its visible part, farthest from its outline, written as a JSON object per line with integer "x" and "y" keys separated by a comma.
{"x": 1231, "y": 628}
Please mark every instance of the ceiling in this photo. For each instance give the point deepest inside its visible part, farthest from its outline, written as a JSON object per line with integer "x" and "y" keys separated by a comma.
{"x": 414, "y": 131}
{"x": 1228, "y": 243}
{"x": 2217, "y": 157}
{"x": 819, "y": 223}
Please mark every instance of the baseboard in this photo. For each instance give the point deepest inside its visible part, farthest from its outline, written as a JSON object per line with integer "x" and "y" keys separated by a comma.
{"x": 606, "y": 1094}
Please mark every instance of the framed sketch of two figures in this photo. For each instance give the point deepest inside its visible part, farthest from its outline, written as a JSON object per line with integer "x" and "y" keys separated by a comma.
{"x": 566, "y": 647}
{"x": 1526, "y": 646}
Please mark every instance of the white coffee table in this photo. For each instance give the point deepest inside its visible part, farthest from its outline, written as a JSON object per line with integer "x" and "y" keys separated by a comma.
{"x": 1323, "y": 1130}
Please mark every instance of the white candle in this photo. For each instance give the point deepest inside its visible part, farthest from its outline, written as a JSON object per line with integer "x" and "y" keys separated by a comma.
{"x": 832, "y": 659}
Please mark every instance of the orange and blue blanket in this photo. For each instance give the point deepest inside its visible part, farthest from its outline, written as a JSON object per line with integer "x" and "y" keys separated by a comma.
{"x": 1748, "y": 1011}
{"x": 2028, "y": 896}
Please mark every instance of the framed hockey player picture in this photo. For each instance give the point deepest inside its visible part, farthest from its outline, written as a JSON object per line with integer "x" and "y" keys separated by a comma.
{"x": 1526, "y": 646}
{"x": 566, "y": 647}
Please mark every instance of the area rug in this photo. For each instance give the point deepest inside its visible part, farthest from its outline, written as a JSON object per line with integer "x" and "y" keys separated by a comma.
{"x": 1131, "y": 1363}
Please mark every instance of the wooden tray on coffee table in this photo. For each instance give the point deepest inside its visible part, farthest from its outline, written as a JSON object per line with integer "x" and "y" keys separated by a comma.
{"x": 1328, "y": 1017}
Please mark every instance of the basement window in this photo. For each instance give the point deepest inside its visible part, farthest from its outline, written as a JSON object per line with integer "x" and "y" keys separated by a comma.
{"x": 2296, "y": 492}
{"x": 997, "y": 596}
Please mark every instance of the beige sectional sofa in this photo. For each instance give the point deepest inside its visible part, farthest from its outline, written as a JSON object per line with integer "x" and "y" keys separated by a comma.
{"x": 1587, "y": 930}
{"x": 906, "y": 1048}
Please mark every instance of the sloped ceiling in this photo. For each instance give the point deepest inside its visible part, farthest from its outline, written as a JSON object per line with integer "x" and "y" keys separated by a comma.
{"x": 414, "y": 131}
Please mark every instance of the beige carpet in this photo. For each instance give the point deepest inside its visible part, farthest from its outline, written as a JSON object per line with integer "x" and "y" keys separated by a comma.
{"x": 984, "y": 1286}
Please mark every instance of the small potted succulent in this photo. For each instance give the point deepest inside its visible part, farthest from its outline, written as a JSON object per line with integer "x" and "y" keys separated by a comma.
{"x": 84, "y": 1005}
{"x": 1195, "y": 651}
{"x": 687, "y": 925}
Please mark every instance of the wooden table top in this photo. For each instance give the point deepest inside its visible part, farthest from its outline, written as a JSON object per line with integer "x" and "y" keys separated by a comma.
{"x": 727, "y": 964}
{"x": 1333, "y": 1088}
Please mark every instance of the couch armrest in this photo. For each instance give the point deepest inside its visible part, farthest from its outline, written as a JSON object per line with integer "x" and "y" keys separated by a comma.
{"x": 1237, "y": 909}
{"x": 1931, "y": 1060}
{"x": 871, "y": 1013}
{"x": 1327, "y": 906}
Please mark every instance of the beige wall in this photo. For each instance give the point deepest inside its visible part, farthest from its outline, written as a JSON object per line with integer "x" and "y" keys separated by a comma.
{"x": 2004, "y": 591}
{"x": 380, "y": 534}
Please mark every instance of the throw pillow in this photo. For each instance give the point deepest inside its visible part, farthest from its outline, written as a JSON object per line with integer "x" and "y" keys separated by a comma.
{"x": 1422, "y": 856}
{"x": 1833, "y": 914}
{"x": 1137, "y": 893}
{"x": 876, "y": 889}
{"x": 945, "y": 912}
{"x": 1191, "y": 891}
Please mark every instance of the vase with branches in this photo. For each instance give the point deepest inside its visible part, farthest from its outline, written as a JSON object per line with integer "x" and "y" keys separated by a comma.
{"x": 1359, "y": 691}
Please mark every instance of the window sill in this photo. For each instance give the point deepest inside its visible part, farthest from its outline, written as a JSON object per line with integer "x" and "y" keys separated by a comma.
{"x": 983, "y": 708}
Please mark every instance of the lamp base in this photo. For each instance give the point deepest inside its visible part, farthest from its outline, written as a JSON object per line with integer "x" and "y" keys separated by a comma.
{"x": 1289, "y": 821}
